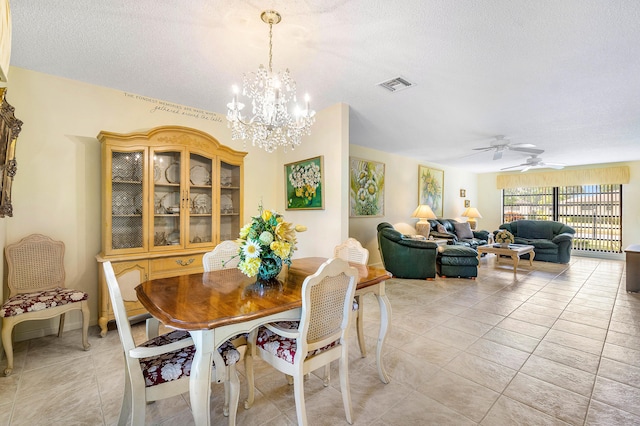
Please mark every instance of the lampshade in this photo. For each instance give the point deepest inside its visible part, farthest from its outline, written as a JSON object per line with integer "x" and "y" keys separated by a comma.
{"x": 471, "y": 212}
{"x": 423, "y": 212}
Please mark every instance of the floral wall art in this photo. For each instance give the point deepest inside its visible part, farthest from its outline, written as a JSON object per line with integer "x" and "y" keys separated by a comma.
{"x": 303, "y": 182}
{"x": 366, "y": 192}
{"x": 430, "y": 187}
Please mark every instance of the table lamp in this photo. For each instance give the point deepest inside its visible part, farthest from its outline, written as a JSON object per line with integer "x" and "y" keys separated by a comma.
{"x": 472, "y": 213}
{"x": 423, "y": 212}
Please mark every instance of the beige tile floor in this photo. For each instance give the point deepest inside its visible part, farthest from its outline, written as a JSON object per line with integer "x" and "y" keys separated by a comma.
{"x": 559, "y": 345}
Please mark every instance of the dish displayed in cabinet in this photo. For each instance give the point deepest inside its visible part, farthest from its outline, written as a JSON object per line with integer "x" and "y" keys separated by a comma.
{"x": 201, "y": 204}
{"x": 199, "y": 175}
{"x": 168, "y": 204}
{"x": 123, "y": 203}
{"x": 172, "y": 174}
{"x": 157, "y": 173}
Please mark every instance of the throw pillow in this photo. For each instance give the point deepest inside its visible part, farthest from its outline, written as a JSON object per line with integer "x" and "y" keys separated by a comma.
{"x": 440, "y": 228}
{"x": 463, "y": 230}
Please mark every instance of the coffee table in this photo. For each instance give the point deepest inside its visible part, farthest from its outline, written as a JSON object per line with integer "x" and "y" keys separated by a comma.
{"x": 513, "y": 250}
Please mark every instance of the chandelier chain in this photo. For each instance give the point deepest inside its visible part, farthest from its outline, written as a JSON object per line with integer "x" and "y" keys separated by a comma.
{"x": 270, "y": 46}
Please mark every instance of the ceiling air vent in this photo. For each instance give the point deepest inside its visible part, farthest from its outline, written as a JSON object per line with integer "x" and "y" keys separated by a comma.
{"x": 396, "y": 84}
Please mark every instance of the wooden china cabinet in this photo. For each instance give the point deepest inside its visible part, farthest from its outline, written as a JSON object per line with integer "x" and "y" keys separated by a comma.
{"x": 168, "y": 196}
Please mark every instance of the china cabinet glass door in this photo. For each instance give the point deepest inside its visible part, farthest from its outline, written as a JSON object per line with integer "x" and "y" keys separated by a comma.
{"x": 200, "y": 200}
{"x": 229, "y": 201}
{"x": 168, "y": 198}
{"x": 127, "y": 199}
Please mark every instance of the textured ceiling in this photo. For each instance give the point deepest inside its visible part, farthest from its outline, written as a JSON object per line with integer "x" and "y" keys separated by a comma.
{"x": 563, "y": 75}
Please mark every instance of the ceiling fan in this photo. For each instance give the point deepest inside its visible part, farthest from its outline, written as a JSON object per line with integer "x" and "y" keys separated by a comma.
{"x": 500, "y": 144}
{"x": 535, "y": 162}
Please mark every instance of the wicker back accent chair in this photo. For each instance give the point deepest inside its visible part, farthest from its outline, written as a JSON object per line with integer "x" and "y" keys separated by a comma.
{"x": 296, "y": 348}
{"x": 223, "y": 256}
{"x": 36, "y": 281}
{"x": 352, "y": 251}
{"x": 160, "y": 368}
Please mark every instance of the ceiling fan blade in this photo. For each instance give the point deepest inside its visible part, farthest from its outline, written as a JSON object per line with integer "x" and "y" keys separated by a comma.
{"x": 485, "y": 148}
{"x": 527, "y": 150}
{"x": 525, "y": 169}
{"x": 497, "y": 155}
{"x": 512, "y": 167}
{"x": 555, "y": 165}
{"x": 523, "y": 145}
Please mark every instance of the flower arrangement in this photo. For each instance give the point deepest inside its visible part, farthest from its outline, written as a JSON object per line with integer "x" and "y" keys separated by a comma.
{"x": 266, "y": 243}
{"x": 504, "y": 237}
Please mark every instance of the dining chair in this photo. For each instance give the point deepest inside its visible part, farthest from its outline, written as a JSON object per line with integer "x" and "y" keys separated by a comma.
{"x": 36, "y": 281}
{"x": 159, "y": 368}
{"x": 352, "y": 251}
{"x": 298, "y": 347}
{"x": 223, "y": 256}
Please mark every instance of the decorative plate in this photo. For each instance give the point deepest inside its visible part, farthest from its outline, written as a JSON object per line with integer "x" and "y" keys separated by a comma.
{"x": 168, "y": 201}
{"x": 157, "y": 173}
{"x": 201, "y": 204}
{"x": 199, "y": 175}
{"x": 122, "y": 170}
{"x": 173, "y": 173}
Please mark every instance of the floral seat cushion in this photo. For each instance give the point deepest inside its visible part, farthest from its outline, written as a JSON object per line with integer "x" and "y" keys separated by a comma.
{"x": 174, "y": 365}
{"x": 40, "y": 300}
{"x": 284, "y": 347}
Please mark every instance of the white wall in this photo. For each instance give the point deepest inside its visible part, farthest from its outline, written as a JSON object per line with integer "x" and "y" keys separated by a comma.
{"x": 328, "y": 227}
{"x": 401, "y": 196}
{"x": 56, "y": 190}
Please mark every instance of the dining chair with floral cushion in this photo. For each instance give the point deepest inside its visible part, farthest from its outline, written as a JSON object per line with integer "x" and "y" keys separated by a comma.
{"x": 160, "y": 368}
{"x": 352, "y": 251}
{"x": 296, "y": 348}
{"x": 36, "y": 281}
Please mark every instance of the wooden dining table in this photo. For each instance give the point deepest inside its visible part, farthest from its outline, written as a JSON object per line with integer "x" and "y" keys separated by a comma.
{"x": 215, "y": 306}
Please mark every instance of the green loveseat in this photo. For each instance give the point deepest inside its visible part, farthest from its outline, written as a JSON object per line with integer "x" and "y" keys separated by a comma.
{"x": 404, "y": 256}
{"x": 551, "y": 240}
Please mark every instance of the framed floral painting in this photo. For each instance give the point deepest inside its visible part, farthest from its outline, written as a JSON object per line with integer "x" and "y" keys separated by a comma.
{"x": 303, "y": 184}
{"x": 430, "y": 188}
{"x": 366, "y": 188}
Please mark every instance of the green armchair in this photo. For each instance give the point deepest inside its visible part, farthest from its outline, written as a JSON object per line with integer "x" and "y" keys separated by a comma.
{"x": 406, "y": 257}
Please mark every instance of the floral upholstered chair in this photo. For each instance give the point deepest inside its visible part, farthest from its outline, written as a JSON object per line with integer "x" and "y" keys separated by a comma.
{"x": 297, "y": 348}
{"x": 352, "y": 251}
{"x": 160, "y": 367}
{"x": 36, "y": 281}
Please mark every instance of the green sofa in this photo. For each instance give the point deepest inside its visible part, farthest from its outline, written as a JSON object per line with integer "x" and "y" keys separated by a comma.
{"x": 551, "y": 240}
{"x": 404, "y": 256}
{"x": 475, "y": 239}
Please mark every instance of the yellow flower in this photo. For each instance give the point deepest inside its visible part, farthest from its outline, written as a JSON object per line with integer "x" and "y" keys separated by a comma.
{"x": 281, "y": 249}
{"x": 285, "y": 232}
{"x": 250, "y": 267}
{"x": 266, "y": 215}
{"x": 245, "y": 231}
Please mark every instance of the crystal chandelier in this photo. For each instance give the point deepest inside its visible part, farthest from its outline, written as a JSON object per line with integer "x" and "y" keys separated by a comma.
{"x": 271, "y": 123}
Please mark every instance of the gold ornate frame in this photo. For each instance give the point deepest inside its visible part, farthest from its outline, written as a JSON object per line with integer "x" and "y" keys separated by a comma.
{"x": 10, "y": 128}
